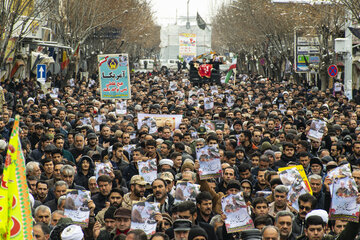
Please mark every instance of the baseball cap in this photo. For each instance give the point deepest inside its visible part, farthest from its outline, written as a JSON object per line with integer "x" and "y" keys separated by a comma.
{"x": 122, "y": 212}
{"x": 182, "y": 225}
{"x": 137, "y": 179}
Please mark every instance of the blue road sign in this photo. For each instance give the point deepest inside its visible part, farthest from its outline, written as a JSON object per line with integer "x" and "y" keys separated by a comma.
{"x": 41, "y": 72}
{"x": 333, "y": 71}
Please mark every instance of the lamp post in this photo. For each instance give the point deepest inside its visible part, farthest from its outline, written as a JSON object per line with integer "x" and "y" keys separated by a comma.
{"x": 188, "y": 21}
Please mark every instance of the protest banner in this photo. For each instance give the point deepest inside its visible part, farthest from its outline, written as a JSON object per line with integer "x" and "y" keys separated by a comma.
{"x": 143, "y": 217}
{"x": 317, "y": 129}
{"x": 153, "y": 121}
{"x": 343, "y": 200}
{"x": 148, "y": 170}
{"x": 301, "y": 170}
{"x": 76, "y": 206}
{"x": 121, "y": 108}
{"x": 114, "y": 76}
{"x": 187, "y": 46}
{"x": 102, "y": 169}
{"x": 237, "y": 215}
{"x": 292, "y": 179}
{"x": 210, "y": 164}
{"x": 186, "y": 191}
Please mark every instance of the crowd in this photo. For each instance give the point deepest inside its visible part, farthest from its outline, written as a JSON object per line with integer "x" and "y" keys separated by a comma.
{"x": 265, "y": 128}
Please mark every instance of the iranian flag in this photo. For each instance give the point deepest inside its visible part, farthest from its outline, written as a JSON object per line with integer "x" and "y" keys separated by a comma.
{"x": 230, "y": 71}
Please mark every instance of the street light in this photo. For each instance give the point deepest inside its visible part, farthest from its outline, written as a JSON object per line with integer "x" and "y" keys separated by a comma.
{"x": 188, "y": 21}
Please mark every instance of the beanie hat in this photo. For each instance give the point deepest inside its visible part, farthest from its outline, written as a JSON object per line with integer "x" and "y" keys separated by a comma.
{"x": 109, "y": 213}
{"x": 196, "y": 232}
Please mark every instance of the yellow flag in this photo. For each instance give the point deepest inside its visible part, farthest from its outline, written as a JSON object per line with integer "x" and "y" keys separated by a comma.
{"x": 15, "y": 210}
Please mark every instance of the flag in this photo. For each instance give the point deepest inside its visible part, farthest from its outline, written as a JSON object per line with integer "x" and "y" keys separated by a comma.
{"x": 230, "y": 70}
{"x": 65, "y": 60}
{"x": 205, "y": 70}
{"x": 15, "y": 209}
{"x": 77, "y": 49}
{"x": 200, "y": 22}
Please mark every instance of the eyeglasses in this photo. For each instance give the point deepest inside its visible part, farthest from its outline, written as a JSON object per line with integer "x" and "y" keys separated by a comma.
{"x": 306, "y": 208}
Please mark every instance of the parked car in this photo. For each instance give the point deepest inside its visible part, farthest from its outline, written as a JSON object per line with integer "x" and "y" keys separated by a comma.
{"x": 171, "y": 64}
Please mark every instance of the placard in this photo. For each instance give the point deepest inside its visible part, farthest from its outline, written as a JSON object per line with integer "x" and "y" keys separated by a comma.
{"x": 210, "y": 163}
{"x": 153, "y": 121}
{"x": 143, "y": 217}
{"x": 148, "y": 170}
{"x": 186, "y": 191}
{"x": 76, "y": 206}
{"x": 114, "y": 76}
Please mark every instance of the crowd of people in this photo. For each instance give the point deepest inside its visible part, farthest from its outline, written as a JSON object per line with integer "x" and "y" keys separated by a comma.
{"x": 265, "y": 128}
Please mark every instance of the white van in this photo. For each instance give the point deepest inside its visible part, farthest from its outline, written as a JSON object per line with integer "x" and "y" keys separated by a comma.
{"x": 169, "y": 63}
{"x": 148, "y": 62}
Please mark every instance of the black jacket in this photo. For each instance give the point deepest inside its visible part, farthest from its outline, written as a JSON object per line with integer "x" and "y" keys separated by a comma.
{"x": 99, "y": 201}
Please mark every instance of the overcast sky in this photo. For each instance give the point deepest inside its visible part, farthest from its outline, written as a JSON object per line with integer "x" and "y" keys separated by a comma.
{"x": 165, "y": 10}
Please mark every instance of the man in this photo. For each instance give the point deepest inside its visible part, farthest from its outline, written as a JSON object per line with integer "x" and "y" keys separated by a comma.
{"x": 187, "y": 210}
{"x": 56, "y": 175}
{"x": 338, "y": 227}
{"x": 115, "y": 198}
{"x": 280, "y": 203}
{"x": 103, "y": 231}
{"x": 56, "y": 216}
{"x": 356, "y": 176}
{"x": 316, "y": 184}
{"x": 59, "y": 190}
{"x": 228, "y": 174}
{"x": 68, "y": 174}
{"x": 316, "y": 166}
{"x": 150, "y": 150}
{"x": 59, "y": 142}
{"x": 306, "y": 202}
{"x": 119, "y": 160}
{"x": 165, "y": 149}
{"x": 33, "y": 169}
{"x": 137, "y": 191}
{"x": 182, "y": 229}
{"x": 354, "y": 159}
{"x": 42, "y": 214}
{"x": 122, "y": 222}
{"x": 287, "y": 156}
{"x": 304, "y": 160}
{"x": 161, "y": 195}
{"x": 105, "y": 185}
{"x": 38, "y": 153}
{"x": 93, "y": 142}
{"x": 79, "y": 148}
{"x": 93, "y": 185}
{"x": 260, "y": 207}
{"x": 48, "y": 166}
{"x": 270, "y": 233}
{"x": 284, "y": 221}
{"x": 41, "y": 231}
{"x": 42, "y": 190}
{"x": 261, "y": 184}
{"x": 204, "y": 206}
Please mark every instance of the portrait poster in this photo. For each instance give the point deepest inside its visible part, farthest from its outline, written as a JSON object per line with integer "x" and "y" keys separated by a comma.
{"x": 186, "y": 191}
{"x": 102, "y": 169}
{"x": 121, "y": 108}
{"x": 208, "y": 103}
{"x": 343, "y": 201}
{"x": 98, "y": 120}
{"x": 317, "y": 129}
{"x": 130, "y": 148}
{"x": 292, "y": 179}
{"x": 210, "y": 163}
{"x": 143, "y": 217}
{"x": 302, "y": 172}
{"x": 76, "y": 206}
{"x": 237, "y": 215}
{"x": 153, "y": 121}
{"x": 114, "y": 76}
{"x": 148, "y": 170}
{"x": 340, "y": 172}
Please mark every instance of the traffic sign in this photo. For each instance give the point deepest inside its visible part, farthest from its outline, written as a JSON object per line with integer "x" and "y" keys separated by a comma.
{"x": 262, "y": 61}
{"x": 333, "y": 71}
{"x": 41, "y": 73}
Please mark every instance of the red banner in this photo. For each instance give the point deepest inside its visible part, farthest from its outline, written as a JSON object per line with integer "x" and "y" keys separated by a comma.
{"x": 205, "y": 70}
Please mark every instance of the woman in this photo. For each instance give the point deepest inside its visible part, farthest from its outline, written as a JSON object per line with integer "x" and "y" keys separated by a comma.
{"x": 85, "y": 171}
